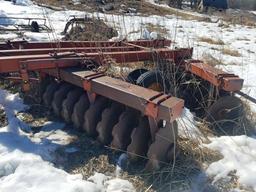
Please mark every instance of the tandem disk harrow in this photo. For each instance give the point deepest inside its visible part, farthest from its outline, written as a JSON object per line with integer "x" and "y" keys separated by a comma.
{"x": 137, "y": 115}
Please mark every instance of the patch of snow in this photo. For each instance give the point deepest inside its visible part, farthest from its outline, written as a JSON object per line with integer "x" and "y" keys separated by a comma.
{"x": 111, "y": 185}
{"x": 8, "y": 36}
{"x": 99, "y": 179}
{"x": 25, "y": 159}
{"x": 119, "y": 185}
{"x": 76, "y": 2}
{"x": 4, "y": 20}
{"x": 22, "y": 2}
{"x": 71, "y": 150}
{"x": 239, "y": 155}
{"x": 28, "y": 172}
{"x": 187, "y": 126}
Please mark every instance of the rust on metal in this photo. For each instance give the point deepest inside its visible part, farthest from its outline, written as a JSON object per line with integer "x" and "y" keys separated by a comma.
{"x": 19, "y": 79}
{"x": 64, "y": 44}
{"x": 131, "y": 95}
{"x": 87, "y": 80}
{"x": 25, "y": 80}
{"x": 15, "y": 52}
{"x": 217, "y": 77}
{"x": 11, "y": 63}
{"x": 48, "y": 55}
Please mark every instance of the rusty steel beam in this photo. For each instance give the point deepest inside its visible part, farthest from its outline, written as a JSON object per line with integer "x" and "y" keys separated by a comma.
{"x": 18, "y": 79}
{"x": 217, "y": 77}
{"x": 149, "y": 102}
{"x": 16, "y": 52}
{"x": 66, "y": 44}
{"x": 13, "y": 63}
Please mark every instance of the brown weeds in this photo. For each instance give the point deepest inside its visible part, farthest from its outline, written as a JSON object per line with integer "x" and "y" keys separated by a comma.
{"x": 211, "y": 41}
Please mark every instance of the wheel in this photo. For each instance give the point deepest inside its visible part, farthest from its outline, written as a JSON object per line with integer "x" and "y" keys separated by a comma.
{"x": 225, "y": 113}
{"x": 122, "y": 130}
{"x": 109, "y": 118}
{"x": 34, "y": 26}
{"x": 152, "y": 80}
{"x": 134, "y": 75}
{"x": 163, "y": 149}
{"x": 93, "y": 115}
{"x": 140, "y": 139}
{"x": 69, "y": 102}
{"x": 81, "y": 106}
{"x": 59, "y": 97}
{"x": 49, "y": 93}
{"x": 44, "y": 83}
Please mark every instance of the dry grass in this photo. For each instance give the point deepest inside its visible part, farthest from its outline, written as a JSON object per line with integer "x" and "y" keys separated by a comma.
{"x": 161, "y": 30}
{"x": 231, "y": 52}
{"x": 3, "y": 118}
{"x": 178, "y": 176}
{"x": 211, "y": 60}
{"x": 241, "y": 18}
{"x": 90, "y": 29}
{"x": 142, "y": 7}
{"x": 243, "y": 39}
{"x": 248, "y": 119}
{"x": 211, "y": 41}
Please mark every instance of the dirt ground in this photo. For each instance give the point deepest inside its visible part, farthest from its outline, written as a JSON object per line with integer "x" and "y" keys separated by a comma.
{"x": 90, "y": 157}
{"x": 142, "y": 7}
{"x": 116, "y": 7}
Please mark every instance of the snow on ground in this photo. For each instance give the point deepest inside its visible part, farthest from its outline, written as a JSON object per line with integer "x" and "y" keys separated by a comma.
{"x": 238, "y": 152}
{"x": 25, "y": 159}
{"x": 239, "y": 155}
{"x": 185, "y": 33}
{"x": 187, "y": 126}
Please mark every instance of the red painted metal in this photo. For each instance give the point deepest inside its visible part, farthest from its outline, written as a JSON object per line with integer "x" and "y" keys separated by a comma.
{"x": 12, "y": 63}
{"x": 134, "y": 96}
{"x": 16, "y": 52}
{"x": 219, "y": 78}
{"x": 70, "y": 44}
{"x": 47, "y": 55}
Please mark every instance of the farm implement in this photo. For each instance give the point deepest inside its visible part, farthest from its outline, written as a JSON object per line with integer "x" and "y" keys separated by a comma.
{"x": 136, "y": 113}
{"x": 23, "y": 24}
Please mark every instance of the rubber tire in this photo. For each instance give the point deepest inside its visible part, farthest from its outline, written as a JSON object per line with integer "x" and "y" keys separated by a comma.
{"x": 109, "y": 119}
{"x": 49, "y": 93}
{"x": 93, "y": 115}
{"x": 69, "y": 102}
{"x": 59, "y": 97}
{"x": 81, "y": 106}
{"x": 227, "y": 102}
{"x": 34, "y": 27}
{"x": 134, "y": 75}
{"x": 150, "y": 77}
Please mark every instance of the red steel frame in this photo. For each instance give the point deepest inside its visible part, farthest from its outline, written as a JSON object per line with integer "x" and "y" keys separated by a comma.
{"x": 60, "y": 62}
{"x": 57, "y": 59}
{"x": 226, "y": 81}
{"x": 74, "y": 44}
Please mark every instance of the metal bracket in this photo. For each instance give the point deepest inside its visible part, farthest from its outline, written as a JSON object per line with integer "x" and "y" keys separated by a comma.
{"x": 151, "y": 111}
{"x": 88, "y": 86}
{"x": 152, "y": 104}
{"x": 87, "y": 80}
{"x": 25, "y": 77}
